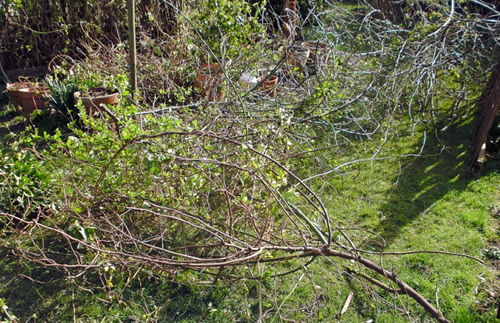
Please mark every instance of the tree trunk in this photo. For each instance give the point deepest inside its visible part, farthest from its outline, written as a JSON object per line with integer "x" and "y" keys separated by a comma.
{"x": 390, "y": 10}
{"x": 489, "y": 104}
{"x": 289, "y": 16}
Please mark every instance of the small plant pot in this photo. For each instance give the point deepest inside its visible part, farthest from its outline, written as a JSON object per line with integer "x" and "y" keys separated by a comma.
{"x": 319, "y": 53}
{"x": 208, "y": 80}
{"x": 13, "y": 92}
{"x": 93, "y": 103}
{"x": 299, "y": 58}
{"x": 32, "y": 98}
{"x": 269, "y": 86}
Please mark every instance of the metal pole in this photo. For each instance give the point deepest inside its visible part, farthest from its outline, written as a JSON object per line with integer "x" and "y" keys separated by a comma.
{"x": 131, "y": 44}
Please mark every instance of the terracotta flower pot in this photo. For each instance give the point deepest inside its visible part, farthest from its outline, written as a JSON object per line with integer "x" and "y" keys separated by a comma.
{"x": 32, "y": 98}
{"x": 299, "y": 58}
{"x": 319, "y": 53}
{"x": 208, "y": 80}
{"x": 92, "y": 104}
{"x": 269, "y": 86}
{"x": 13, "y": 91}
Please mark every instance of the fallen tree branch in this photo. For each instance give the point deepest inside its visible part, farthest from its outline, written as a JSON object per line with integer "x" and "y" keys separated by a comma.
{"x": 406, "y": 289}
{"x": 244, "y": 256}
{"x": 402, "y": 253}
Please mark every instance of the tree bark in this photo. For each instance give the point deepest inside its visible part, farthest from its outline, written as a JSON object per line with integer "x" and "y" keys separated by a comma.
{"x": 289, "y": 16}
{"x": 390, "y": 10}
{"x": 489, "y": 104}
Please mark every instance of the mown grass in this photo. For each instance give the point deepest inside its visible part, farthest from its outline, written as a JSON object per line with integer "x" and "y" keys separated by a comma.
{"x": 414, "y": 193}
{"x": 422, "y": 202}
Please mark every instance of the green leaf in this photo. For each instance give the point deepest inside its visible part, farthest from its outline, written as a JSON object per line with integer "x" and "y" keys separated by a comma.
{"x": 78, "y": 209}
{"x": 288, "y": 195}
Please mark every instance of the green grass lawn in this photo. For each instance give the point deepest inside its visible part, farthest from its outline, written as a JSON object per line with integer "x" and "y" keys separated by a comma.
{"x": 422, "y": 202}
{"x": 402, "y": 190}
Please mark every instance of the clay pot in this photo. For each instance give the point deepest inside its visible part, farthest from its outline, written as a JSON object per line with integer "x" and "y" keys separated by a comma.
{"x": 299, "y": 58}
{"x": 269, "y": 86}
{"x": 13, "y": 91}
{"x": 92, "y": 104}
{"x": 32, "y": 98}
{"x": 289, "y": 16}
{"x": 208, "y": 80}
{"x": 319, "y": 53}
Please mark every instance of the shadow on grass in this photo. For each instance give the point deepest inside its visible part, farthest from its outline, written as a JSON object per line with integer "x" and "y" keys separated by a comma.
{"x": 9, "y": 121}
{"x": 425, "y": 180}
{"x": 32, "y": 291}
{"x": 12, "y": 123}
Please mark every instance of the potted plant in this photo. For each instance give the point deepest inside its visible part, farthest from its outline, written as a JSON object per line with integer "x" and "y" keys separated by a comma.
{"x": 30, "y": 96}
{"x": 93, "y": 98}
{"x": 62, "y": 96}
{"x": 13, "y": 91}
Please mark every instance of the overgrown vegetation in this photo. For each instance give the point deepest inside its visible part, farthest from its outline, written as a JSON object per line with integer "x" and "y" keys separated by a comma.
{"x": 352, "y": 179}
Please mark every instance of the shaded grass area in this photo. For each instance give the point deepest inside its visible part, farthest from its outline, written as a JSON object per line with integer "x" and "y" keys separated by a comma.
{"x": 10, "y": 120}
{"x": 33, "y": 292}
{"x": 425, "y": 181}
{"x": 13, "y": 123}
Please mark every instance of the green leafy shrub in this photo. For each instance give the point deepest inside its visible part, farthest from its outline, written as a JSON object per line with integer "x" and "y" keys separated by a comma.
{"x": 25, "y": 182}
{"x": 223, "y": 28}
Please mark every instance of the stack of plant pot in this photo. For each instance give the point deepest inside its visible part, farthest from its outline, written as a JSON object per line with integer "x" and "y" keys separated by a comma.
{"x": 319, "y": 53}
{"x": 298, "y": 58}
{"x": 209, "y": 80}
{"x": 29, "y": 96}
{"x": 310, "y": 57}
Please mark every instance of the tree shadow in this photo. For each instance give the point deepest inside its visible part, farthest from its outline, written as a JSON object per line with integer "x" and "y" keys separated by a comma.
{"x": 425, "y": 180}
